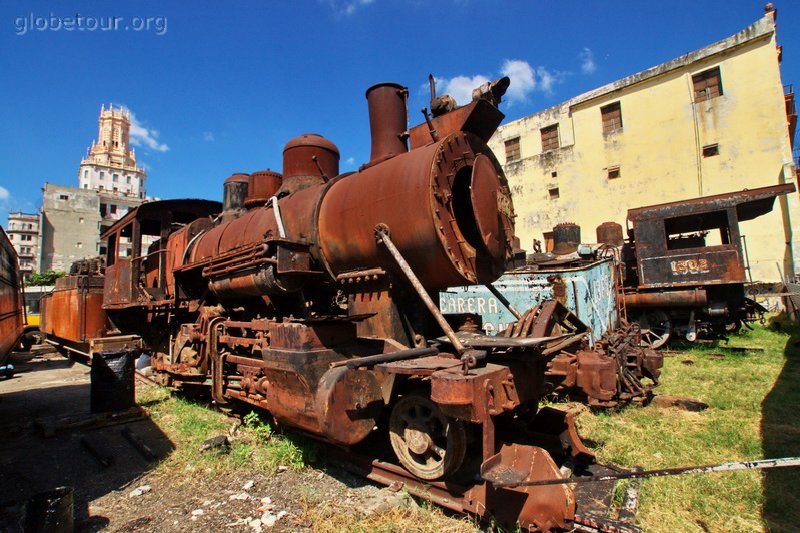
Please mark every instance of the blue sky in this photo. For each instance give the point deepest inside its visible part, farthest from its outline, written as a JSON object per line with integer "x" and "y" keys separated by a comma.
{"x": 219, "y": 87}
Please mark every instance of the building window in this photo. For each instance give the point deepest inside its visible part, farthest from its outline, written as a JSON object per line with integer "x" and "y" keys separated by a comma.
{"x": 707, "y": 85}
{"x": 549, "y": 138}
{"x": 128, "y": 180}
{"x": 553, "y": 193}
{"x": 85, "y": 185}
{"x": 102, "y": 175}
{"x": 554, "y": 174}
{"x": 114, "y": 177}
{"x": 612, "y": 117}
{"x": 63, "y": 197}
{"x": 512, "y": 149}
{"x": 85, "y": 173}
{"x": 78, "y": 244}
{"x": 710, "y": 150}
{"x": 613, "y": 173}
{"x": 113, "y": 209}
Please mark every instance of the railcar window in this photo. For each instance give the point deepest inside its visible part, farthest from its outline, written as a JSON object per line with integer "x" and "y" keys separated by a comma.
{"x": 697, "y": 231}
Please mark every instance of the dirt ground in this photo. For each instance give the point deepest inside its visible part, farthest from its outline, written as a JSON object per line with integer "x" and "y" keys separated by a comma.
{"x": 128, "y": 494}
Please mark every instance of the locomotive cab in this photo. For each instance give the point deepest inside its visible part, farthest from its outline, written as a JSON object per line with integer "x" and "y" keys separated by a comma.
{"x": 687, "y": 263}
{"x": 142, "y": 251}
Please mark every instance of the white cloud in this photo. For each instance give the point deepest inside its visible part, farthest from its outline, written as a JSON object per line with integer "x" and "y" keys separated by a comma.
{"x": 144, "y": 137}
{"x": 547, "y": 79}
{"x": 4, "y": 194}
{"x": 460, "y": 87}
{"x": 523, "y": 79}
{"x": 347, "y": 7}
{"x": 350, "y": 161}
{"x": 588, "y": 66}
{"x": 208, "y": 136}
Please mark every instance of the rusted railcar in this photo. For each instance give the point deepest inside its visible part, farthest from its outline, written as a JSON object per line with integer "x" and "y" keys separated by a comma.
{"x": 686, "y": 264}
{"x": 309, "y": 295}
{"x": 11, "y": 317}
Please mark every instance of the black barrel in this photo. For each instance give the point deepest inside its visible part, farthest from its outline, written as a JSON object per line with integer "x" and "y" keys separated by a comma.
{"x": 50, "y": 512}
{"x": 112, "y": 387}
{"x": 566, "y": 238}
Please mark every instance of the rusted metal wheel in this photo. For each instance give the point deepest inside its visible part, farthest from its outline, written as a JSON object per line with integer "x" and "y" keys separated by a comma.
{"x": 656, "y": 328}
{"x": 428, "y": 444}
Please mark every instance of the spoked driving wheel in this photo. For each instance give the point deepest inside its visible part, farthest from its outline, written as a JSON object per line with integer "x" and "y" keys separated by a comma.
{"x": 656, "y": 328}
{"x": 428, "y": 444}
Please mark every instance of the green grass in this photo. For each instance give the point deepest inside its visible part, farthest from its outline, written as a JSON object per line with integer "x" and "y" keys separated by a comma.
{"x": 754, "y": 400}
{"x": 188, "y": 424}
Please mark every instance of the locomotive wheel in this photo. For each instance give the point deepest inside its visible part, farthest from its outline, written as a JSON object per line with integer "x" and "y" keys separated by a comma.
{"x": 428, "y": 444}
{"x": 656, "y": 328}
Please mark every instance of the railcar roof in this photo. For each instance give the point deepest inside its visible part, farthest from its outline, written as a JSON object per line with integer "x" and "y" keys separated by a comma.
{"x": 749, "y": 203}
{"x": 155, "y": 210}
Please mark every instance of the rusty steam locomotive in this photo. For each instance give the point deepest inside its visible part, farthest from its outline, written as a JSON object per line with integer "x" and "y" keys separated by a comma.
{"x": 308, "y": 294}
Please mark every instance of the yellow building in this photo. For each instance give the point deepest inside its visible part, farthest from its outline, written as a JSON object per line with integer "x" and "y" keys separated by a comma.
{"x": 712, "y": 121}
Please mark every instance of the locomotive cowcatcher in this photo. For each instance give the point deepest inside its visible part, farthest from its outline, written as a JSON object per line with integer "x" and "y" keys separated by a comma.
{"x": 308, "y": 295}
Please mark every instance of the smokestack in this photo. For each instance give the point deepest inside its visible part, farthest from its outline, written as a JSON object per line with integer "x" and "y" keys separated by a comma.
{"x": 235, "y": 191}
{"x": 388, "y": 120}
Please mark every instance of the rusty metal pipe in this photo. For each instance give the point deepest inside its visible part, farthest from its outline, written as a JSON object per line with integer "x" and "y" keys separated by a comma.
{"x": 371, "y": 360}
{"x": 760, "y": 464}
{"x": 566, "y": 342}
{"x": 388, "y": 120}
{"x": 684, "y": 298}
{"x": 382, "y": 235}
{"x": 503, "y": 300}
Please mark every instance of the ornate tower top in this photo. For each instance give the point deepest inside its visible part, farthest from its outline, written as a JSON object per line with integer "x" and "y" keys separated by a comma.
{"x": 110, "y": 163}
{"x": 112, "y": 147}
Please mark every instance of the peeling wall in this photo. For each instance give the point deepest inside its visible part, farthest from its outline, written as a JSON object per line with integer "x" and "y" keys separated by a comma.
{"x": 659, "y": 149}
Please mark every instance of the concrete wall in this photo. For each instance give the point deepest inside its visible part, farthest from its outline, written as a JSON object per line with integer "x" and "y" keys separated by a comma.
{"x": 70, "y": 226}
{"x": 659, "y": 149}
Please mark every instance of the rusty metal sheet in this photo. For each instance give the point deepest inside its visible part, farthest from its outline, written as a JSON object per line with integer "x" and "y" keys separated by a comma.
{"x": 74, "y": 314}
{"x": 707, "y": 267}
{"x": 439, "y": 241}
{"x": 11, "y": 326}
{"x": 540, "y": 511}
{"x": 421, "y": 366}
{"x": 586, "y": 290}
{"x": 478, "y": 117}
{"x": 119, "y": 285}
{"x": 750, "y": 203}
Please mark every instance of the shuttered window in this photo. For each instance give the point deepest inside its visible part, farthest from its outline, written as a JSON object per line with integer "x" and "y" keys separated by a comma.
{"x": 512, "y": 149}
{"x": 549, "y": 138}
{"x": 612, "y": 117}
{"x": 707, "y": 85}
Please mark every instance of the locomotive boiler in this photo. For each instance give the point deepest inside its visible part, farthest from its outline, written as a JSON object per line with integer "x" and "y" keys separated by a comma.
{"x": 309, "y": 295}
